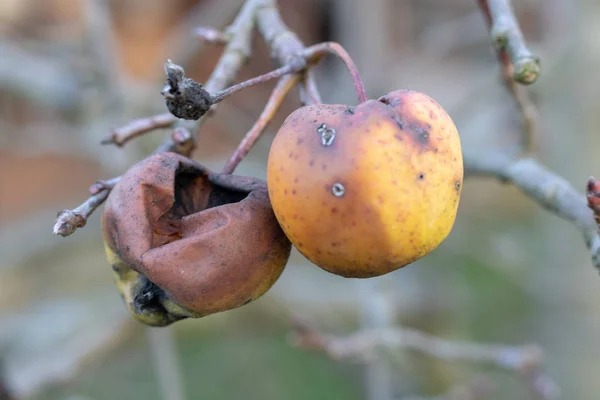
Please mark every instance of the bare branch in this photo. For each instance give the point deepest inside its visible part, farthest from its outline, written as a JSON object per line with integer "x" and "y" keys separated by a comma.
{"x": 138, "y": 127}
{"x": 549, "y": 190}
{"x": 527, "y": 108}
{"x": 363, "y": 345}
{"x": 68, "y": 221}
{"x": 237, "y": 50}
{"x": 508, "y": 39}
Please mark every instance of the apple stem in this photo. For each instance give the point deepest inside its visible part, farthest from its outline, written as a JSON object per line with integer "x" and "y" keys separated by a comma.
{"x": 313, "y": 53}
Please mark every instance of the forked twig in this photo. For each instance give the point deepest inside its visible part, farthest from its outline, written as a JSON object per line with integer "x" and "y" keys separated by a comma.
{"x": 138, "y": 127}
{"x": 363, "y": 345}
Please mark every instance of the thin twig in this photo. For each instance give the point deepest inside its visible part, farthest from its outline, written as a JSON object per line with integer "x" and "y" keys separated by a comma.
{"x": 282, "y": 88}
{"x": 104, "y": 185}
{"x": 364, "y": 344}
{"x": 138, "y": 127}
{"x": 68, "y": 221}
{"x": 238, "y": 48}
{"x": 549, "y": 190}
{"x": 507, "y": 37}
{"x": 519, "y": 93}
{"x": 527, "y": 108}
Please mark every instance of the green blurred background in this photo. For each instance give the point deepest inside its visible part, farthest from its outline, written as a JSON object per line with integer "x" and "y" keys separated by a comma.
{"x": 510, "y": 272}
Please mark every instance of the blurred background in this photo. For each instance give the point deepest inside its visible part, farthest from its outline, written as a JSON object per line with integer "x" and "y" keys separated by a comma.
{"x": 510, "y": 272}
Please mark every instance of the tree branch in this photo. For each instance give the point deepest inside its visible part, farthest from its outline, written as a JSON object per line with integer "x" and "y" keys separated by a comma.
{"x": 527, "y": 108}
{"x": 549, "y": 190}
{"x": 363, "y": 345}
{"x": 508, "y": 39}
{"x": 138, "y": 127}
{"x": 68, "y": 221}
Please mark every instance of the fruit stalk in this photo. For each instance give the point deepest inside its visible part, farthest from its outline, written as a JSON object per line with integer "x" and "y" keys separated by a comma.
{"x": 313, "y": 53}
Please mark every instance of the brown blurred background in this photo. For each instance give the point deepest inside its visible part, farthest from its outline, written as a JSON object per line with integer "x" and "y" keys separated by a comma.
{"x": 70, "y": 70}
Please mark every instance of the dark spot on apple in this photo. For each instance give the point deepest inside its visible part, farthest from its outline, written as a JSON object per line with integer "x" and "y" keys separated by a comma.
{"x": 422, "y": 135}
{"x": 399, "y": 122}
{"x": 421, "y": 176}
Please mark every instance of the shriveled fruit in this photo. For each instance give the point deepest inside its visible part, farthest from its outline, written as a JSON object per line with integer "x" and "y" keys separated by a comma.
{"x": 187, "y": 242}
{"x": 362, "y": 191}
